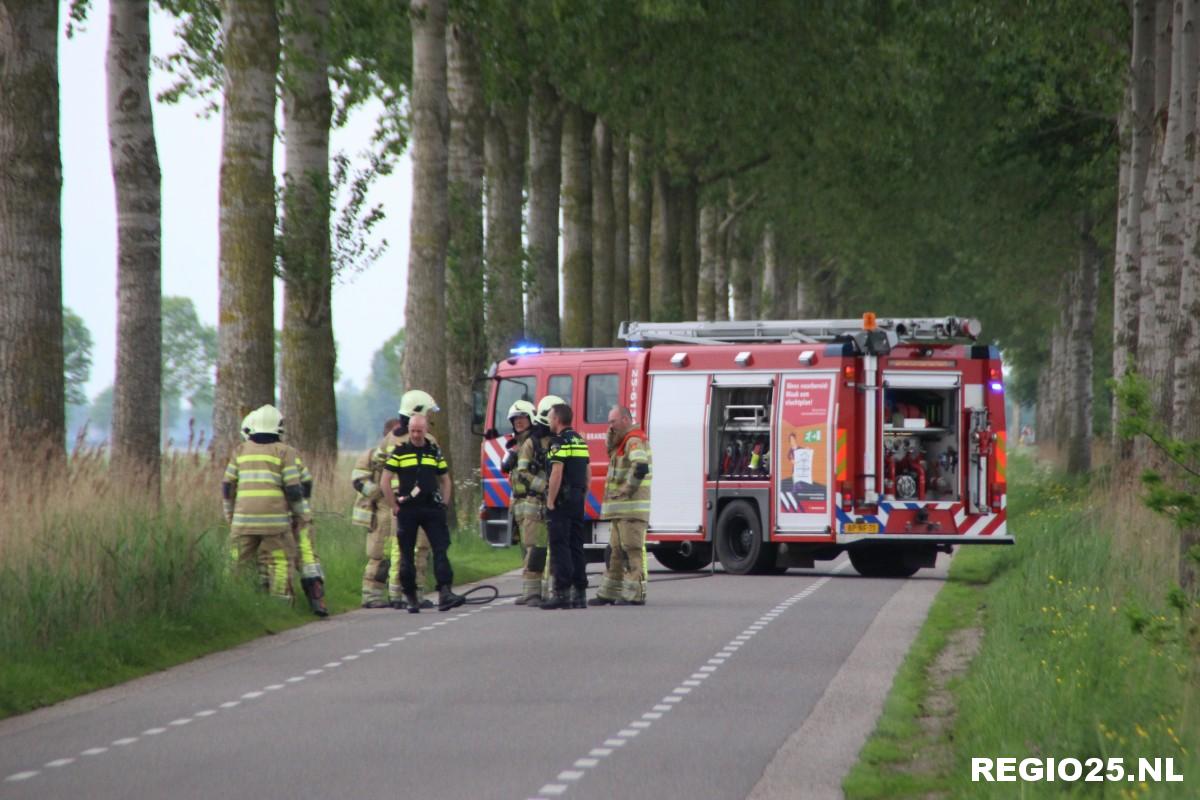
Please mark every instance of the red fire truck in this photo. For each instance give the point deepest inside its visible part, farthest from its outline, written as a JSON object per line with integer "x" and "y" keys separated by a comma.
{"x": 778, "y": 443}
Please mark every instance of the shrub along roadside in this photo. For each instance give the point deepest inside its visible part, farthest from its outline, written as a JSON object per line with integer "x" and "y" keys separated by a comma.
{"x": 1078, "y": 659}
{"x": 156, "y": 592}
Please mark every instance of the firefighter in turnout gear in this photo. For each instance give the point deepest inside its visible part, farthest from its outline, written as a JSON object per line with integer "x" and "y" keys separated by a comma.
{"x": 529, "y": 479}
{"x": 417, "y": 483}
{"x": 627, "y": 507}
{"x": 305, "y": 559}
{"x": 263, "y": 497}
{"x": 381, "y": 579}
{"x": 565, "y": 499}
{"x": 414, "y": 401}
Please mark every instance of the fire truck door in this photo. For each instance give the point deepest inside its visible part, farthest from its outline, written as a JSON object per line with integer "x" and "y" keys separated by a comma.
{"x": 678, "y": 404}
{"x": 803, "y": 476}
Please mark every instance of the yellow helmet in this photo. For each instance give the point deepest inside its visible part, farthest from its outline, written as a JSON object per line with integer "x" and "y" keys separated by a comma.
{"x": 264, "y": 419}
{"x": 415, "y": 401}
{"x": 521, "y": 407}
{"x": 543, "y": 408}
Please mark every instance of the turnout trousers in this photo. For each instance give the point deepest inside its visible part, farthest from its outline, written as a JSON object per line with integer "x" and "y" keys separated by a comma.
{"x": 568, "y": 565}
{"x": 432, "y": 519}
{"x": 625, "y": 578}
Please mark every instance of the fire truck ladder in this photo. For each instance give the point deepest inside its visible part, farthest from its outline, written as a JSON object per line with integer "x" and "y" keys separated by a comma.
{"x": 918, "y": 329}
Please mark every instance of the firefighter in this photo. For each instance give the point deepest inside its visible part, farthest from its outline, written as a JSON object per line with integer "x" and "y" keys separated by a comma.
{"x": 414, "y": 401}
{"x": 381, "y": 579}
{"x": 565, "y": 498}
{"x": 529, "y": 480}
{"x": 627, "y": 507}
{"x": 306, "y": 561}
{"x": 416, "y": 482}
{"x": 263, "y": 498}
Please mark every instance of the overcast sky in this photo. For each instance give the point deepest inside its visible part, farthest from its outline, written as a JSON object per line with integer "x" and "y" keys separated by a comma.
{"x": 367, "y": 308}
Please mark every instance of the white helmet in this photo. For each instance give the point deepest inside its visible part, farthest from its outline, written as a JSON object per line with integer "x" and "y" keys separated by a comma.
{"x": 543, "y": 408}
{"x": 264, "y": 419}
{"x": 521, "y": 408}
{"x": 245, "y": 429}
{"x": 415, "y": 401}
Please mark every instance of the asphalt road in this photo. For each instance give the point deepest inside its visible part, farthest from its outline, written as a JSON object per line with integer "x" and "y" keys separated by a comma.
{"x": 703, "y": 693}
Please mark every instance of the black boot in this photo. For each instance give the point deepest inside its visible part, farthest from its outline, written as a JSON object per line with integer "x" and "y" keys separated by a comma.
{"x": 314, "y": 590}
{"x": 578, "y": 597}
{"x": 413, "y": 603}
{"x": 447, "y": 599}
{"x": 557, "y": 599}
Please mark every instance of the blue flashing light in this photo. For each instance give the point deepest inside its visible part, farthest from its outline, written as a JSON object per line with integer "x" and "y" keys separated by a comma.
{"x": 997, "y": 386}
{"x": 634, "y": 349}
{"x": 526, "y": 350}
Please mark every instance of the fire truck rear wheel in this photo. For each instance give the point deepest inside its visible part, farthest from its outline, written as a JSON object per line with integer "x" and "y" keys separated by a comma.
{"x": 740, "y": 546}
{"x": 672, "y": 558}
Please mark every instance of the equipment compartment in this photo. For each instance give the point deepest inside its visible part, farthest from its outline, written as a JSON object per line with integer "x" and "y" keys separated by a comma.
{"x": 740, "y": 436}
{"x": 921, "y": 444}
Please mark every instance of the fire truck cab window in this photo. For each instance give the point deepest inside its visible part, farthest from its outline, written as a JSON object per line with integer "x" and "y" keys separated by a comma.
{"x": 561, "y": 385}
{"x": 509, "y": 391}
{"x": 602, "y": 391}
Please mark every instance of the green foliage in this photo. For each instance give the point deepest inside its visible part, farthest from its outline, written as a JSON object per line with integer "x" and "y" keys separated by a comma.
{"x": 1176, "y": 497}
{"x": 77, "y": 356}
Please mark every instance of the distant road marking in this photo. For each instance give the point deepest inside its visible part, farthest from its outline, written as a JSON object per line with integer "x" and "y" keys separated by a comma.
{"x": 679, "y": 693}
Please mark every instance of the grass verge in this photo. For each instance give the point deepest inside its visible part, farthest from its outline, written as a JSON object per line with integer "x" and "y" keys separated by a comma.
{"x": 1082, "y": 657}
{"x": 110, "y": 594}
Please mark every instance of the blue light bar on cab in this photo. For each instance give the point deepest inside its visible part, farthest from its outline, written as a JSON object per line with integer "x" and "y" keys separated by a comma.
{"x": 997, "y": 386}
{"x": 526, "y": 350}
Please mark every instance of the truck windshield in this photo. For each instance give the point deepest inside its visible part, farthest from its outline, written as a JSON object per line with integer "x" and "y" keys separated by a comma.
{"x": 509, "y": 391}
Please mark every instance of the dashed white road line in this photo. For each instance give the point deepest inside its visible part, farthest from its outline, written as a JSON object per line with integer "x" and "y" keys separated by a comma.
{"x": 58, "y": 763}
{"x": 597, "y": 754}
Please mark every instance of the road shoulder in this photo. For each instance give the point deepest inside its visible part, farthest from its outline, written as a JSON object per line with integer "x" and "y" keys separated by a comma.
{"x": 814, "y": 760}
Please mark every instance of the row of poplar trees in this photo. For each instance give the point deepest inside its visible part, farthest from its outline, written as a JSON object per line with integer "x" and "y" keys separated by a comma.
{"x": 1031, "y": 164}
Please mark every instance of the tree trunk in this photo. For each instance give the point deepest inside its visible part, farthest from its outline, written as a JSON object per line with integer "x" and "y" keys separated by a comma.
{"x": 32, "y": 390}
{"x": 739, "y": 276}
{"x": 137, "y": 181}
{"x": 620, "y": 195}
{"x": 1161, "y": 264}
{"x": 723, "y": 270}
{"x": 640, "y": 207}
{"x": 689, "y": 249}
{"x": 577, "y": 227}
{"x": 1127, "y": 288}
{"x": 504, "y": 165}
{"x": 1060, "y": 352}
{"x": 465, "y": 343}
{"x": 1081, "y": 353}
{"x": 308, "y": 359}
{"x": 603, "y": 236}
{"x": 665, "y": 291}
{"x": 425, "y": 306}
{"x": 246, "y": 335}
{"x": 545, "y": 168}
{"x": 706, "y": 297}
{"x": 775, "y": 284}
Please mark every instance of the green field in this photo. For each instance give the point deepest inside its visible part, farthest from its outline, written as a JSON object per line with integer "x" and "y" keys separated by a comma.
{"x": 1086, "y": 653}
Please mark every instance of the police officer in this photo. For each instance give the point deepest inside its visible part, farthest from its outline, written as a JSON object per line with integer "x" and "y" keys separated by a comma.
{"x": 564, "y": 505}
{"x": 414, "y": 401}
{"x": 627, "y": 507}
{"x": 416, "y": 482}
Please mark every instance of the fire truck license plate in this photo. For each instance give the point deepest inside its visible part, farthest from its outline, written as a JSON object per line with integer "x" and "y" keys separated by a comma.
{"x": 861, "y": 527}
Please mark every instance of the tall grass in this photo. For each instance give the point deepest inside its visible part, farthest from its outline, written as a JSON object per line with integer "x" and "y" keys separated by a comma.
{"x": 98, "y": 584}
